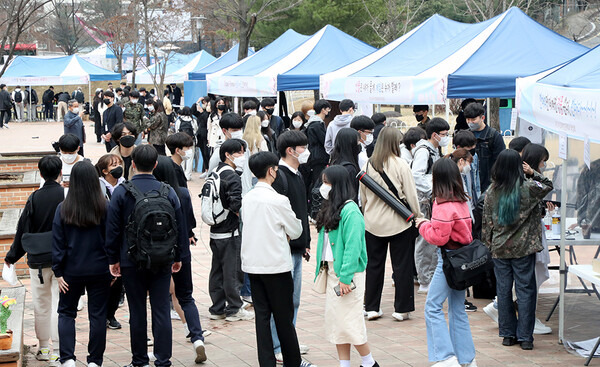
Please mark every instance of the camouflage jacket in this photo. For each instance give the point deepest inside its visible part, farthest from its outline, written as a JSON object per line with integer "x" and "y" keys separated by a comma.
{"x": 158, "y": 128}
{"x": 588, "y": 195}
{"x": 524, "y": 237}
{"x": 134, "y": 113}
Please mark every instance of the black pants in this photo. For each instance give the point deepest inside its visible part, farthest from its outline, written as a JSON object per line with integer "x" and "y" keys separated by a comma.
{"x": 183, "y": 291}
{"x": 273, "y": 294}
{"x": 97, "y": 290}
{"x": 402, "y": 250}
{"x": 114, "y": 297}
{"x": 4, "y": 117}
{"x": 138, "y": 284}
{"x": 48, "y": 110}
{"x": 205, "y": 151}
{"x": 226, "y": 276}
{"x": 160, "y": 148}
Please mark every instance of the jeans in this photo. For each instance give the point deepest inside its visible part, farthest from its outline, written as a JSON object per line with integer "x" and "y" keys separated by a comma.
{"x": 521, "y": 271}
{"x": 48, "y": 110}
{"x": 183, "y": 291}
{"x": 97, "y": 288}
{"x": 246, "y": 291}
{"x": 297, "y": 277}
{"x": 452, "y": 339}
{"x": 226, "y": 276}
{"x": 4, "y": 117}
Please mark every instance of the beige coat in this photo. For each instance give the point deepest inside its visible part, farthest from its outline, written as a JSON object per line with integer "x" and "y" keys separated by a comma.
{"x": 380, "y": 219}
{"x": 116, "y": 151}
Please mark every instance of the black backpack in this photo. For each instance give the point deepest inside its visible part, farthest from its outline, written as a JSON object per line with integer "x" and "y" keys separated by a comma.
{"x": 18, "y": 97}
{"x": 429, "y": 158}
{"x": 152, "y": 228}
{"x": 185, "y": 126}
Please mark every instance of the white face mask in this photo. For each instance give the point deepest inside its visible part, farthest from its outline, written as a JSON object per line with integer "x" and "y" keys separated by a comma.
{"x": 75, "y": 110}
{"x": 303, "y": 157}
{"x": 237, "y": 134}
{"x": 134, "y": 101}
{"x": 150, "y": 108}
{"x": 189, "y": 154}
{"x": 466, "y": 169}
{"x": 324, "y": 191}
{"x": 239, "y": 163}
{"x": 68, "y": 158}
{"x": 264, "y": 123}
{"x": 296, "y": 124}
{"x": 369, "y": 139}
{"x": 444, "y": 141}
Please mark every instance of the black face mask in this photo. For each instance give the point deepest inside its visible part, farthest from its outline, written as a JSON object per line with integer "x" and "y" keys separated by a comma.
{"x": 127, "y": 141}
{"x": 419, "y": 117}
{"x": 472, "y": 151}
{"x": 270, "y": 111}
{"x": 221, "y": 107}
{"x": 116, "y": 172}
{"x": 106, "y": 101}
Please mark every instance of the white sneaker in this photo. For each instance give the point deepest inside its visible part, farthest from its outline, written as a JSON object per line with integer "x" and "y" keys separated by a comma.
{"x": 450, "y": 362}
{"x": 246, "y": 305}
{"x": 240, "y": 315}
{"x": 247, "y": 299}
{"x": 304, "y": 348}
{"x": 307, "y": 364}
{"x": 175, "y": 315}
{"x": 472, "y": 364}
{"x": 43, "y": 354}
{"x": 203, "y": 174}
{"x": 200, "y": 351}
{"x": 206, "y": 333}
{"x": 80, "y": 304}
{"x": 540, "y": 328}
{"x": 279, "y": 358}
{"x": 151, "y": 356}
{"x": 54, "y": 362}
{"x": 68, "y": 363}
{"x": 491, "y": 311}
{"x": 423, "y": 288}
{"x": 217, "y": 317}
{"x": 374, "y": 315}
{"x": 92, "y": 364}
{"x": 401, "y": 316}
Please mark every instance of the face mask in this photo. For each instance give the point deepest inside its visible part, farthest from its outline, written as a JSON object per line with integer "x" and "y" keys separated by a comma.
{"x": 116, "y": 172}
{"x": 444, "y": 141}
{"x": 106, "y": 101}
{"x": 324, "y": 191}
{"x": 473, "y": 126}
{"x": 69, "y": 158}
{"x": 127, "y": 141}
{"x": 221, "y": 107}
{"x": 75, "y": 110}
{"x": 275, "y": 176}
{"x": 466, "y": 169}
{"x": 150, "y": 108}
{"x": 269, "y": 111}
{"x": 134, "y": 101}
{"x": 303, "y": 157}
{"x": 237, "y": 134}
{"x": 369, "y": 139}
{"x": 264, "y": 123}
{"x": 419, "y": 117}
{"x": 297, "y": 124}
{"x": 189, "y": 154}
{"x": 239, "y": 163}
{"x": 543, "y": 167}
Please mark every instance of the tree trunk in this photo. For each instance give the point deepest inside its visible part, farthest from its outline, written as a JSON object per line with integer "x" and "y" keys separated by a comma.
{"x": 494, "y": 118}
{"x": 317, "y": 94}
{"x": 244, "y": 41}
{"x": 146, "y": 32}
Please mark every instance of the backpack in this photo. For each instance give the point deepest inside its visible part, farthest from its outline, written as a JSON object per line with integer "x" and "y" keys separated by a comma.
{"x": 18, "y": 97}
{"x": 185, "y": 126}
{"x": 213, "y": 211}
{"x": 429, "y": 160}
{"x": 152, "y": 228}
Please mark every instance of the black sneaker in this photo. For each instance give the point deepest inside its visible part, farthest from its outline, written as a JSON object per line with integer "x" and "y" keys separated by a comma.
{"x": 375, "y": 365}
{"x": 469, "y": 307}
{"x": 508, "y": 341}
{"x": 526, "y": 345}
{"x": 113, "y": 324}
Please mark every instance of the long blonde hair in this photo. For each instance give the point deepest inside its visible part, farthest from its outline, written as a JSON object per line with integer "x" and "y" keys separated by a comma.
{"x": 252, "y": 134}
{"x": 387, "y": 145}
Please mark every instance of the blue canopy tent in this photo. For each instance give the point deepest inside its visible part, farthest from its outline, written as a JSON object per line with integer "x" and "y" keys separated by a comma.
{"x": 333, "y": 45}
{"x": 518, "y": 47}
{"x": 238, "y": 79}
{"x": 227, "y": 59}
{"x": 177, "y": 68}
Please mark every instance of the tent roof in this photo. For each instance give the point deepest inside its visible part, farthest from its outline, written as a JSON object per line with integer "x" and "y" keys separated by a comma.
{"x": 65, "y": 70}
{"x": 223, "y": 82}
{"x": 177, "y": 69}
{"x": 582, "y": 72}
{"x": 227, "y": 59}
{"x": 331, "y": 44}
{"x": 519, "y": 46}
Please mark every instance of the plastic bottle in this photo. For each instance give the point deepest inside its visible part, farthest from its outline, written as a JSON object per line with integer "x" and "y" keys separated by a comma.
{"x": 556, "y": 222}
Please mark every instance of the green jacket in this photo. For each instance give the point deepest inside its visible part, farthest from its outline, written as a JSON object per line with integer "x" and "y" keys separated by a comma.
{"x": 347, "y": 243}
{"x": 134, "y": 113}
{"x": 524, "y": 237}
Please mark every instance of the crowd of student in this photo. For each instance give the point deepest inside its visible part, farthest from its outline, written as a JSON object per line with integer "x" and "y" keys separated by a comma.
{"x": 266, "y": 181}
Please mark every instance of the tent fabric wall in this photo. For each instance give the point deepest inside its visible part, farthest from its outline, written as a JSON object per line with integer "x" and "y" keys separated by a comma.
{"x": 177, "y": 68}
{"x": 65, "y": 70}
{"x": 193, "y": 89}
{"x": 227, "y": 59}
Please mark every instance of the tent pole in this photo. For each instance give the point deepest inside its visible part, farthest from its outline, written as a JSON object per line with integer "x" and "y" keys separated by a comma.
{"x": 447, "y": 110}
{"x": 90, "y": 90}
{"x": 563, "y": 272}
{"x": 29, "y": 107}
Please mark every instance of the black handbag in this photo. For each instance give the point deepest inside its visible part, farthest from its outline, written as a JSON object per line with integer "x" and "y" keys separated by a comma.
{"x": 467, "y": 265}
{"x": 38, "y": 246}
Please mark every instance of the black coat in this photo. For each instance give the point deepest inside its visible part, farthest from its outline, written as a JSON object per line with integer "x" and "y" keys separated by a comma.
{"x": 5, "y": 100}
{"x": 489, "y": 145}
{"x": 48, "y": 96}
{"x": 315, "y": 132}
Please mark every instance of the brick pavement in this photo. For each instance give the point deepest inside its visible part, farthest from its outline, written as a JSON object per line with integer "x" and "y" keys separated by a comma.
{"x": 233, "y": 344}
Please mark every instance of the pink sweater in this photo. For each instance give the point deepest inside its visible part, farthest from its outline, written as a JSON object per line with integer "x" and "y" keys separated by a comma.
{"x": 450, "y": 225}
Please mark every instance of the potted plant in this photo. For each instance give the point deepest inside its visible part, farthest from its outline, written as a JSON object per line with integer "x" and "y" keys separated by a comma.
{"x": 6, "y": 336}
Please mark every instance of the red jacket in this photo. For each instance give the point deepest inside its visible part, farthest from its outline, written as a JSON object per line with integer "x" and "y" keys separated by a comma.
{"x": 450, "y": 225}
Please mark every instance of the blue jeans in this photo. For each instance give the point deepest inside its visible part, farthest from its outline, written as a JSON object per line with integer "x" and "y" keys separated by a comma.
{"x": 297, "y": 277}
{"x": 444, "y": 342}
{"x": 245, "y": 291}
{"x": 521, "y": 271}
